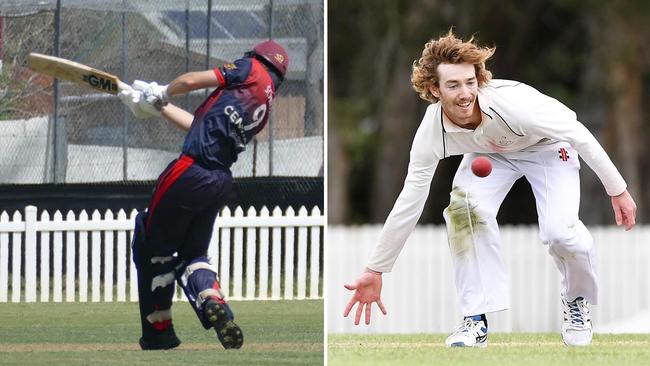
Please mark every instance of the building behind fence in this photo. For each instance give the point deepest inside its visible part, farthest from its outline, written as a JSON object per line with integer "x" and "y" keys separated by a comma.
{"x": 59, "y": 132}
{"x": 259, "y": 255}
{"x": 420, "y": 295}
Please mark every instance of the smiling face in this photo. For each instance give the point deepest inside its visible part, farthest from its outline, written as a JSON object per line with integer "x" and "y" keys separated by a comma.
{"x": 458, "y": 92}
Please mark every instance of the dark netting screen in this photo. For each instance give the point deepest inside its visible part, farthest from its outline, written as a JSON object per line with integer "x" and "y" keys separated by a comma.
{"x": 283, "y": 192}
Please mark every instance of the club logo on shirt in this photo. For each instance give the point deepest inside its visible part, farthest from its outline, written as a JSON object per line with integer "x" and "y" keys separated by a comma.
{"x": 269, "y": 93}
{"x": 564, "y": 155}
{"x": 503, "y": 141}
{"x": 229, "y": 66}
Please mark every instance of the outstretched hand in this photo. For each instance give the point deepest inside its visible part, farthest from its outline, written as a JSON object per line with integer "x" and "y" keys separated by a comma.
{"x": 367, "y": 289}
{"x": 624, "y": 210}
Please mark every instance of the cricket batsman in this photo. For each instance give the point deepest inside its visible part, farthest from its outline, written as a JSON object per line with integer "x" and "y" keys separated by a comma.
{"x": 523, "y": 133}
{"x": 171, "y": 238}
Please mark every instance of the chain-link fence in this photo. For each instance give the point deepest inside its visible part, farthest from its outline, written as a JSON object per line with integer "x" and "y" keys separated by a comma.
{"x": 59, "y": 132}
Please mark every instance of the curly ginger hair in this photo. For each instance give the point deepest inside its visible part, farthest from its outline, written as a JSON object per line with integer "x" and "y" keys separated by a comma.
{"x": 450, "y": 50}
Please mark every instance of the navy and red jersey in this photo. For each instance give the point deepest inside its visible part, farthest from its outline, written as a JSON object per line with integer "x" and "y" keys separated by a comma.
{"x": 235, "y": 112}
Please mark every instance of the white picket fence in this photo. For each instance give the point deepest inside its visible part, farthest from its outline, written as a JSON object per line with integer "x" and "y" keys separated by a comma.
{"x": 420, "y": 295}
{"x": 92, "y": 255}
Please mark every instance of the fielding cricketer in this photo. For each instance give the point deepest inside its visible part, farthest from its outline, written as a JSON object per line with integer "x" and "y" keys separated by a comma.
{"x": 524, "y": 133}
{"x": 172, "y": 237}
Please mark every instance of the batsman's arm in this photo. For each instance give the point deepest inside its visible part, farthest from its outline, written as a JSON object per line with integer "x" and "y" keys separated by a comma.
{"x": 192, "y": 81}
{"x": 177, "y": 116}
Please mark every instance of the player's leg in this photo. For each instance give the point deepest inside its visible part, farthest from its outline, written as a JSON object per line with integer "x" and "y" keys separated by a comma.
{"x": 201, "y": 286}
{"x": 200, "y": 281}
{"x": 155, "y": 305}
{"x": 556, "y": 184}
{"x": 473, "y": 233}
{"x": 165, "y": 227}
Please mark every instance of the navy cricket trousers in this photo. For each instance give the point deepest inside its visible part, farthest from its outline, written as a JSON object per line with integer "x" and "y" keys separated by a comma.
{"x": 185, "y": 203}
{"x": 181, "y": 215}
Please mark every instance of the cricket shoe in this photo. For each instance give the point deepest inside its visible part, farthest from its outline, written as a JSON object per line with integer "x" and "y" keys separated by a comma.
{"x": 165, "y": 339}
{"x": 221, "y": 318}
{"x": 576, "y": 329}
{"x": 471, "y": 333}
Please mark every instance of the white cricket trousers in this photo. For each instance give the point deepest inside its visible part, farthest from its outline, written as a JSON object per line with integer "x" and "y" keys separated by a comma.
{"x": 473, "y": 233}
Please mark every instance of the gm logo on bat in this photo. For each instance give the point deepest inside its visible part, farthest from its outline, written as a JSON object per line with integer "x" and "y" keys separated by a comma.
{"x": 99, "y": 82}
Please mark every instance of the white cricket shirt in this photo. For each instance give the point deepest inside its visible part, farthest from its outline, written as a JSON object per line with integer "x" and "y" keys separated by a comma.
{"x": 515, "y": 118}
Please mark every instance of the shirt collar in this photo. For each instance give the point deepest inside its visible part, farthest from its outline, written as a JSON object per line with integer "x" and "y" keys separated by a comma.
{"x": 484, "y": 102}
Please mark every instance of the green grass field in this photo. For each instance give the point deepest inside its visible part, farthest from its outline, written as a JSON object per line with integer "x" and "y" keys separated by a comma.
{"x": 275, "y": 333}
{"x": 503, "y": 349}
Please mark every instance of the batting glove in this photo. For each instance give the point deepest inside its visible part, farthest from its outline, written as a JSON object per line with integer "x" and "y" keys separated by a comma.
{"x": 150, "y": 105}
{"x": 156, "y": 94}
{"x": 132, "y": 99}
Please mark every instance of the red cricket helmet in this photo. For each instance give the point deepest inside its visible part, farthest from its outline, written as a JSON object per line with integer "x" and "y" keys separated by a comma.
{"x": 274, "y": 55}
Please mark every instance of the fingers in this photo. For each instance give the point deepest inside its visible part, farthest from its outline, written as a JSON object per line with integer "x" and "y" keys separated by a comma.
{"x": 357, "y": 316}
{"x": 152, "y": 89}
{"x": 381, "y": 307}
{"x": 632, "y": 216}
{"x": 619, "y": 216}
{"x": 368, "y": 310}
{"x": 624, "y": 210}
{"x": 140, "y": 85}
{"x": 629, "y": 220}
{"x": 351, "y": 287}
{"x": 147, "y": 105}
{"x": 351, "y": 303}
{"x": 125, "y": 95}
{"x": 625, "y": 215}
{"x": 132, "y": 98}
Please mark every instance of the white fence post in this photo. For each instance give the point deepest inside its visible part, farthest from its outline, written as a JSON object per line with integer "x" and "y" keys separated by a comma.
{"x": 70, "y": 260}
{"x": 96, "y": 259}
{"x": 57, "y": 290}
{"x": 238, "y": 261}
{"x": 250, "y": 256}
{"x": 314, "y": 267}
{"x": 108, "y": 259}
{"x": 45, "y": 259}
{"x": 4, "y": 259}
{"x": 16, "y": 262}
{"x": 264, "y": 256}
{"x": 30, "y": 253}
{"x": 288, "y": 256}
{"x": 277, "y": 257}
{"x": 133, "y": 274}
{"x": 302, "y": 255}
{"x": 83, "y": 259}
{"x": 121, "y": 259}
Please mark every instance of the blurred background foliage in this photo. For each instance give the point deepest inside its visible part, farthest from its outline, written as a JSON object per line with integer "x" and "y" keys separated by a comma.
{"x": 590, "y": 54}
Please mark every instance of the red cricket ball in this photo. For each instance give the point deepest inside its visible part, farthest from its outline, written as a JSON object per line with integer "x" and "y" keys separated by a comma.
{"x": 481, "y": 167}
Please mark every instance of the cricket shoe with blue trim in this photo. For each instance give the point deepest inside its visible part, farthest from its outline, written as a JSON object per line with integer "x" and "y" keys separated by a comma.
{"x": 471, "y": 333}
{"x": 576, "y": 329}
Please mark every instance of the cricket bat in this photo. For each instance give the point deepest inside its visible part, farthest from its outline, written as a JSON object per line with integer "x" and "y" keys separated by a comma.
{"x": 75, "y": 72}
